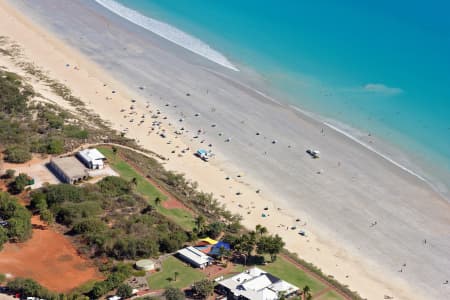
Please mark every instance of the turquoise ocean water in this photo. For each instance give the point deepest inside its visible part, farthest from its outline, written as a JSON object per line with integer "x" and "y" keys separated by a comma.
{"x": 379, "y": 66}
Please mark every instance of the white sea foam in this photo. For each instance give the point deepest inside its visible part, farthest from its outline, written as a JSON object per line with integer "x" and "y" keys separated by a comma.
{"x": 375, "y": 151}
{"x": 168, "y": 32}
{"x": 353, "y": 138}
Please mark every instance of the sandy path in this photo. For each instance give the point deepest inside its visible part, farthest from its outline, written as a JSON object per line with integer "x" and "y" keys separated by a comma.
{"x": 336, "y": 207}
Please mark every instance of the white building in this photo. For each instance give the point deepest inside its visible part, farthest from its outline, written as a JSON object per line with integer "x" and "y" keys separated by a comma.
{"x": 194, "y": 257}
{"x": 92, "y": 158}
{"x": 255, "y": 284}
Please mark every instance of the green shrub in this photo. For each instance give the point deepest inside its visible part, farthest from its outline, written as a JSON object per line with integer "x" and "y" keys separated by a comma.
{"x": 124, "y": 291}
{"x": 9, "y": 174}
{"x": 130, "y": 247}
{"x": 70, "y": 213}
{"x": 90, "y": 225}
{"x": 18, "y": 218}
{"x": 214, "y": 229}
{"x": 13, "y": 95}
{"x": 75, "y": 132}
{"x": 57, "y": 194}
{"x": 29, "y": 288}
{"x": 3, "y": 240}
{"x": 53, "y": 119}
{"x": 46, "y": 216}
{"x": 17, "y": 154}
{"x": 39, "y": 145}
{"x": 12, "y": 133}
{"x": 19, "y": 183}
{"x": 139, "y": 273}
{"x": 127, "y": 200}
{"x": 114, "y": 186}
{"x": 99, "y": 289}
{"x": 20, "y": 227}
{"x": 119, "y": 274}
{"x": 172, "y": 293}
{"x": 38, "y": 201}
{"x": 55, "y": 146}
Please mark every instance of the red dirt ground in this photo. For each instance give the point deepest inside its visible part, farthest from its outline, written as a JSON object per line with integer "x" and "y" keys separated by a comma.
{"x": 171, "y": 202}
{"x": 214, "y": 271}
{"x": 49, "y": 258}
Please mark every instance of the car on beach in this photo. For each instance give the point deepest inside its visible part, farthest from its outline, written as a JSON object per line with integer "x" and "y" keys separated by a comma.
{"x": 202, "y": 154}
{"x": 313, "y": 153}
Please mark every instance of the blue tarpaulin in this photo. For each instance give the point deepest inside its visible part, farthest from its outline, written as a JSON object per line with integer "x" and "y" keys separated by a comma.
{"x": 216, "y": 248}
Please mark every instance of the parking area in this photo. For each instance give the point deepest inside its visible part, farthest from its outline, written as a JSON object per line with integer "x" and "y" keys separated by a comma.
{"x": 97, "y": 175}
{"x": 35, "y": 168}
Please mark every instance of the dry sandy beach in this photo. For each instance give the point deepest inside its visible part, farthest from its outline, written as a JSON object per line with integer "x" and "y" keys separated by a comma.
{"x": 370, "y": 224}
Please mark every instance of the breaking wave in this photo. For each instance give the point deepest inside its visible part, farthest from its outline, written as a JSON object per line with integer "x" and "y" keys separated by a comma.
{"x": 168, "y": 32}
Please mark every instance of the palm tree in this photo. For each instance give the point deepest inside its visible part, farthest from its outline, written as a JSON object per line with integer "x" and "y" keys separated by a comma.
{"x": 261, "y": 229}
{"x": 246, "y": 245}
{"x": 306, "y": 293}
{"x": 199, "y": 222}
{"x": 227, "y": 253}
{"x": 222, "y": 253}
{"x": 175, "y": 274}
{"x": 190, "y": 189}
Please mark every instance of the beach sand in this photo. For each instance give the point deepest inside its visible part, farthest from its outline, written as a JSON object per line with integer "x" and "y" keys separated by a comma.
{"x": 366, "y": 219}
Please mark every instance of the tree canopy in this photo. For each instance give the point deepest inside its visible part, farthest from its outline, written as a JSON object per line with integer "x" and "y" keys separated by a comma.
{"x": 124, "y": 290}
{"x": 271, "y": 245}
{"x": 17, "y": 154}
{"x": 18, "y": 217}
{"x": 172, "y": 293}
{"x": 18, "y": 185}
{"x": 203, "y": 288}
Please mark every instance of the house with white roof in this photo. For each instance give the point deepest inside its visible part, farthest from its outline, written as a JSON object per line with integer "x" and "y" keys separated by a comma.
{"x": 194, "y": 257}
{"x": 92, "y": 158}
{"x": 255, "y": 284}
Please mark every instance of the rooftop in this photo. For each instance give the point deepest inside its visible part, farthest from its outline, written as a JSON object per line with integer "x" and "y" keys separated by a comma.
{"x": 92, "y": 154}
{"x": 257, "y": 284}
{"x": 195, "y": 255}
{"x": 71, "y": 166}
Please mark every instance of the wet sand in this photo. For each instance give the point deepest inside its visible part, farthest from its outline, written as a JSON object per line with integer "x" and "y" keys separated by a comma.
{"x": 366, "y": 219}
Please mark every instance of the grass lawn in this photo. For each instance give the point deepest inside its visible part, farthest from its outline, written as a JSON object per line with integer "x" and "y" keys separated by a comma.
{"x": 179, "y": 216}
{"x": 186, "y": 275}
{"x": 331, "y": 296}
{"x": 290, "y": 273}
{"x": 128, "y": 173}
{"x": 146, "y": 189}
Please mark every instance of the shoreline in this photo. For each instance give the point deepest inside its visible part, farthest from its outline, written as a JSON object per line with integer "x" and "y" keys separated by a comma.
{"x": 427, "y": 170}
{"x": 209, "y": 176}
{"x": 188, "y": 42}
{"x": 169, "y": 33}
